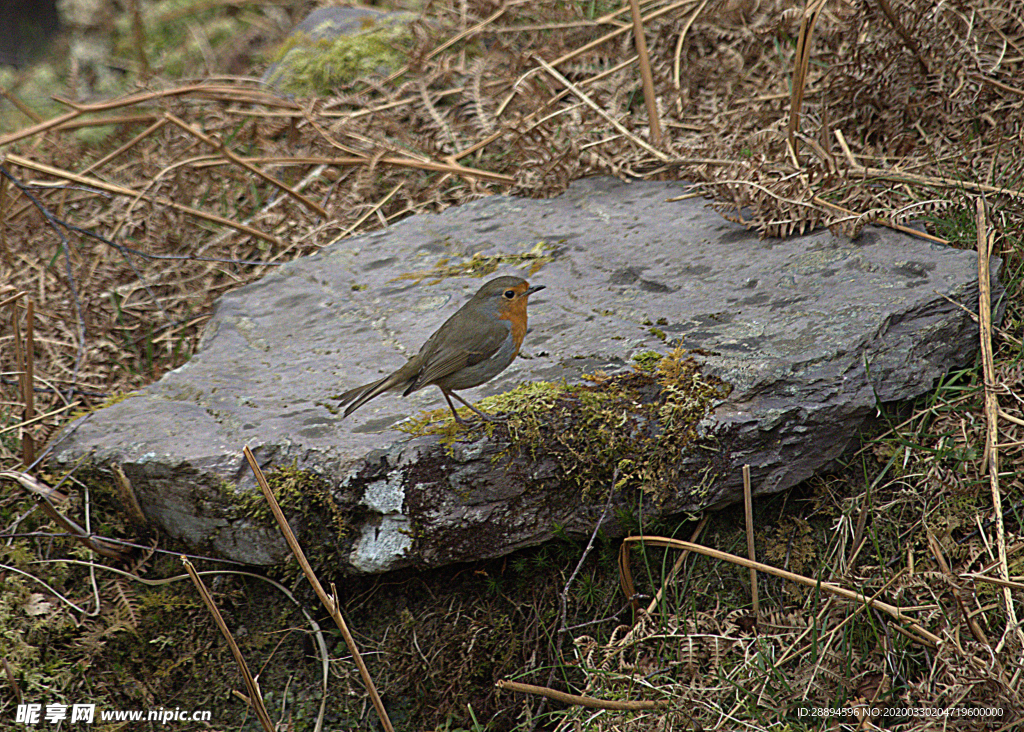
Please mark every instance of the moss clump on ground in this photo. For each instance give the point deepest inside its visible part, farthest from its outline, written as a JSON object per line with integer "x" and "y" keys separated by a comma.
{"x": 317, "y": 66}
{"x": 639, "y": 423}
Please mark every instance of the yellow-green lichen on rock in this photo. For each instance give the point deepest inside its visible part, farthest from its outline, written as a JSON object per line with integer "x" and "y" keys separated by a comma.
{"x": 641, "y": 422}
{"x": 481, "y": 265}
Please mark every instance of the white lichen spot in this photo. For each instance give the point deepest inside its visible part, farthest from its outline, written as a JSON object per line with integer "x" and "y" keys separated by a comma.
{"x": 385, "y": 496}
{"x": 379, "y": 548}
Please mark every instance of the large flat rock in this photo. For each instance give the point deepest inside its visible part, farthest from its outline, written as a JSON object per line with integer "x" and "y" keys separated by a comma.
{"x": 810, "y": 332}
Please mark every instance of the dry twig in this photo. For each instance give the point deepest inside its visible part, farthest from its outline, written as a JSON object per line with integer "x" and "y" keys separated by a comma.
{"x": 653, "y": 117}
{"x": 255, "y": 697}
{"x": 991, "y": 461}
{"x": 920, "y": 634}
{"x": 329, "y": 601}
{"x": 583, "y": 701}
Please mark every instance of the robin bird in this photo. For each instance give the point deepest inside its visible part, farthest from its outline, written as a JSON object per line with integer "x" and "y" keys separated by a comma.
{"x": 473, "y": 346}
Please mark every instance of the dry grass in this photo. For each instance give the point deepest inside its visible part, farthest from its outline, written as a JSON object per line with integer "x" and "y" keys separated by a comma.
{"x": 850, "y": 113}
{"x": 207, "y": 179}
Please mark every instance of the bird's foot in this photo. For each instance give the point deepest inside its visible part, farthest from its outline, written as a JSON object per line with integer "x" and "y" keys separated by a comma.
{"x": 477, "y": 412}
{"x": 480, "y": 417}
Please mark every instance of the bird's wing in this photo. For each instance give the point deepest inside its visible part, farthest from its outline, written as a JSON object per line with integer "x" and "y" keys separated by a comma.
{"x": 449, "y": 350}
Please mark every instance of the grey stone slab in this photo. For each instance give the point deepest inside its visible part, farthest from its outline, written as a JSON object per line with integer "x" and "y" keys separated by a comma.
{"x": 811, "y": 332}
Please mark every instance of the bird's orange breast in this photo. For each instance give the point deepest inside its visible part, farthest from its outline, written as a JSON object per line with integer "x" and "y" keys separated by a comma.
{"x": 515, "y": 313}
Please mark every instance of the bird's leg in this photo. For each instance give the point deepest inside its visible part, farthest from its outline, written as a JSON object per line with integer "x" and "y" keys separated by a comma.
{"x": 451, "y": 406}
{"x": 460, "y": 420}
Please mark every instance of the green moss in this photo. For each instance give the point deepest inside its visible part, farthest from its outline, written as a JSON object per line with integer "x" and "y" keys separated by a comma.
{"x": 316, "y": 66}
{"x": 647, "y": 360}
{"x": 480, "y": 265}
{"x": 310, "y": 507}
{"x": 657, "y": 333}
{"x": 439, "y": 422}
{"x": 298, "y": 492}
{"x": 639, "y": 423}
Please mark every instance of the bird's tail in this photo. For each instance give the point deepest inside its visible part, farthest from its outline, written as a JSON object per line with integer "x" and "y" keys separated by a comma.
{"x": 359, "y": 396}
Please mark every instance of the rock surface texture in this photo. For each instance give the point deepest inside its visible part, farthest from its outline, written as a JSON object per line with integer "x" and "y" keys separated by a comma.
{"x": 810, "y": 332}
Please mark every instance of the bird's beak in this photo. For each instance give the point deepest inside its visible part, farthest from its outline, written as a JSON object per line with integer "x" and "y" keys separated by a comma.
{"x": 535, "y": 288}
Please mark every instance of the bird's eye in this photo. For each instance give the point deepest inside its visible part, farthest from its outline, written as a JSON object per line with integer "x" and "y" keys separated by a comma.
{"x": 510, "y": 294}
